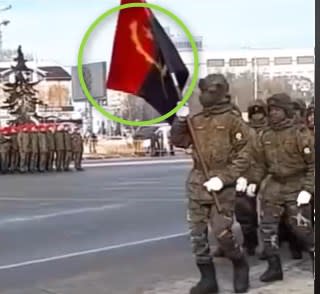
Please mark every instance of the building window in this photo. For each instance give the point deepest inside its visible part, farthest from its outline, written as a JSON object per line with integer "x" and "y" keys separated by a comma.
{"x": 282, "y": 60}
{"x": 215, "y": 62}
{"x": 263, "y": 61}
{"x": 305, "y": 60}
{"x": 238, "y": 62}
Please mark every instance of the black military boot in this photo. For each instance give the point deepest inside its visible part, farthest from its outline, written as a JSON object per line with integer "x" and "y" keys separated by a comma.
{"x": 274, "y": 271}
{"x": 240, "y": 275}
{"x": 263, "y": 255}
{"x": 296, "y": 253}
{"x": 219, "y": 252}
{"x": 208, "y": 282}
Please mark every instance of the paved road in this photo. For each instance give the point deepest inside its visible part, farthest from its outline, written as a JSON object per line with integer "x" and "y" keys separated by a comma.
{"x": 120, "y": 227}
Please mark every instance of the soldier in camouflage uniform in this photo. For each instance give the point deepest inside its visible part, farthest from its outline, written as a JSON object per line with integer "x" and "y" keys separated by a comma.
{"x": 34, "y": 157}
{"x": 24, "y": 144}
{"x": 310, "y": 117}
{"x": 285, "y": 235}
{"x": 43, "y": 148}
{"x": 14, "y": 152}
{"x": 300, "y": 108}
{"x": 60, "y": 147}
{"x": 310, "y": 126}
{"x": 246, "y": 202}
{"x": 68, "y": 148}
{"x": 287, "y": 153}
{"x": 77, "y": 148}
{"x": 51, "y": 147}
{"x": 222, "y": 136}
{"x": 5, "y": 144}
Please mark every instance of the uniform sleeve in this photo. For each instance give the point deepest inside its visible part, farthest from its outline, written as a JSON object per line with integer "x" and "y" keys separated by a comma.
{"x": 179, "y": 134}
{"x": 240, "y": 152}
{"x": 306, "y": 147}
{"x": 258, "y": 167}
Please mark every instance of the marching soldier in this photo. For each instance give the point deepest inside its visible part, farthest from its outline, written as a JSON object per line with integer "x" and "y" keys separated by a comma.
{"x": 5, "y": 143}
{"x": 24, "y": 144}
{"x": 300, "y": 108}
{"x": 68, "y": 148}
{"x": 288, "y": 156}
{"x": 51, "y": 147}
{"x": 285, "y": 234}
{"x": 77, "y": 148}
{"x": 222, "y": 136}
{"x": 60, "y": 147}
{"x": 34, "y": 157}
{"x": 43, "y": 148}
{"x": 310, "y": 117}
{"x": 14, "y": 153}
{"x": 246, "y": 202}
{"x": 310, "y": 126}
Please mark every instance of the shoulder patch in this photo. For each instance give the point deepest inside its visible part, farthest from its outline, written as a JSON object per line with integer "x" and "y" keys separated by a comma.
{"x": 239, "y": 136}
{"x": 306, "y": 150}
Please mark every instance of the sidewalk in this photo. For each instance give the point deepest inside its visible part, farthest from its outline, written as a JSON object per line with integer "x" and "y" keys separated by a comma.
{"x": 297, "y": 280}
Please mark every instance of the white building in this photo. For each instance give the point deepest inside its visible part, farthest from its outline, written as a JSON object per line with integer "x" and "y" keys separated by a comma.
{"x": 54, "y": 89}
{"x": 267, "y": 62}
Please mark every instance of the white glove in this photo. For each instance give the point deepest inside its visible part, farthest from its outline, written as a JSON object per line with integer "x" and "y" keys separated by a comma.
{"x": 251, "y": 190}
{"x": 241, "y": 185}
{"x": 214, "y": 184}
{"x": 304, "y": 197}
{"x": 183, "y": 112}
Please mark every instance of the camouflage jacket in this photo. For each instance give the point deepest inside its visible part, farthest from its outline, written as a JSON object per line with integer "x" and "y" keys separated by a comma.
{"x": 288, "y": 156}
{"x": 77, "y": 143}
{"x": 222, "y": 139}
{"x": 59, "y": 141}
{"x": 43, "y": 142}
{"x": 67, "y": 141}
{"x": 51, "y": 141}
{"x": 24, "y": 141}
{"x": 34, "y": 142}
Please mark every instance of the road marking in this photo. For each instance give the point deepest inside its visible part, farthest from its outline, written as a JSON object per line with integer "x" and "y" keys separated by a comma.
{"x": 135, "y": 163}
{"x": 116, "y": 199}
{"x": 91, "y": 251}
{"x": 135, "y": 188}
{"x": 66, "y": 212}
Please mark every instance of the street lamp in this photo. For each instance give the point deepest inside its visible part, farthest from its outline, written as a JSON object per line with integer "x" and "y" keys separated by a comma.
{"x": 3, "y": 23}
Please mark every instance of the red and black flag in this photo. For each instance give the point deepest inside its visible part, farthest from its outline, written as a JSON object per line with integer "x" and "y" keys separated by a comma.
{"x": 144, "y": 60}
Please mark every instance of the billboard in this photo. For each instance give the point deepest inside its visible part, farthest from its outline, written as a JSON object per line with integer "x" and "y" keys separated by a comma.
{"x": 95, "y": 75}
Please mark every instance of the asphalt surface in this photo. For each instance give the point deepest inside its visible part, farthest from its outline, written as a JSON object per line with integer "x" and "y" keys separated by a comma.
{"x": 120, "y": 227}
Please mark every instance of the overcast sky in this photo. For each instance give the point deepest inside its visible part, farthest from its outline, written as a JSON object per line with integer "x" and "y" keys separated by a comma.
{"x": 53, "y": 29}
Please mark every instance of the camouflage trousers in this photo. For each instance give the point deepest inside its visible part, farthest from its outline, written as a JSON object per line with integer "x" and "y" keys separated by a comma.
{"x": 246, "y": 215}
{"x": 24, "y": 161}
{"x": 77, "y": 157}
{"x": 34, "y": 160}
{"x": 297, "y": 221}
{"x": 67, "y": 160}
{"x": 14, "y": 160}
{"x": 202, "y": 215}
{"x": 4, "y": 160}
{"x": 59, "y": 159}
{"x": 50, "y": 160}
{"x": 42, "y": 161}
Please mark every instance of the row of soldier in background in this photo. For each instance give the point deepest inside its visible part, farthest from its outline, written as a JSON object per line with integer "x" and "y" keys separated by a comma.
{"x": 40, "y": 148}
{"x": 259, "y": 173}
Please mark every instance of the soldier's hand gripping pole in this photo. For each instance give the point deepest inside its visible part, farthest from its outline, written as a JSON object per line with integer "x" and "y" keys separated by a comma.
{"x": 202, "y": 163}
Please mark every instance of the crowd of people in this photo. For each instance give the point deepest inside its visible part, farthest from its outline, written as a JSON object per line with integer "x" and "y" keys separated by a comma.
{"x": 30, "y": 148}
{"x": 259, "y": 173}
